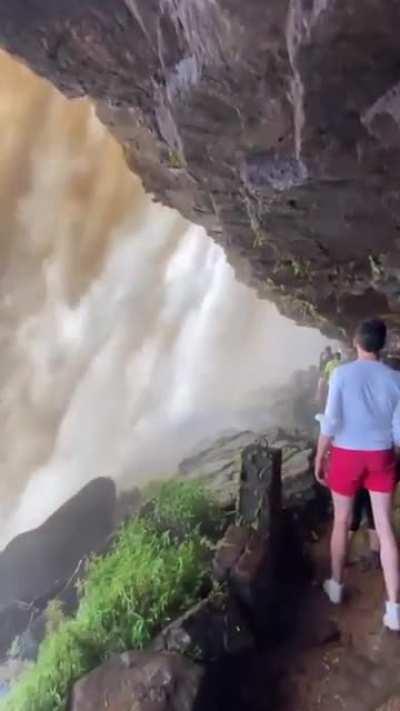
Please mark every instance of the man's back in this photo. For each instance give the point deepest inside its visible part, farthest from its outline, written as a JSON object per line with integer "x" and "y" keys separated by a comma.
{"x": 363, "y": 406}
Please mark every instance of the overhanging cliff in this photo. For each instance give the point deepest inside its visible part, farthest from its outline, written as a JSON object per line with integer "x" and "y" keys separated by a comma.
{"x": 276, "y": 125}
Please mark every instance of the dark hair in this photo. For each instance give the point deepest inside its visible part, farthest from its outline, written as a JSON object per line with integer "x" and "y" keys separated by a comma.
{"x": 338, "y": 355}
{"x": 371, "y": 335}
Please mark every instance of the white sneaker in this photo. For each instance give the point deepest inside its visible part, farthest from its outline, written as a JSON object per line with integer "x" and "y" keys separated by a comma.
{"x": 333, "y": 590}
{"x": 391, "y": 618}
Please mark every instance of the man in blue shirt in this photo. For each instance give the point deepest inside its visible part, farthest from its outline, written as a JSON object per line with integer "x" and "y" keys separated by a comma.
{"x": 361, "y": 425}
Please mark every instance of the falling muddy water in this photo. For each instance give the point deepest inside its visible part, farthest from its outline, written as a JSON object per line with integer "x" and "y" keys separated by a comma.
{"x": 124, "y": 336}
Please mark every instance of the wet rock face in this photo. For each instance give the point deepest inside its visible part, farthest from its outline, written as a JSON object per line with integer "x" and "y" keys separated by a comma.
{"x": 275, "y": 125}
{"x": 37, "y": 564}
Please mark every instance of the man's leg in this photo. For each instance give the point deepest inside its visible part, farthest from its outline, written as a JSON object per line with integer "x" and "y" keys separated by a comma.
{"x": 372, "y": 534}
{"x": 382, "y": 510}
{"x": 343, "y": 512}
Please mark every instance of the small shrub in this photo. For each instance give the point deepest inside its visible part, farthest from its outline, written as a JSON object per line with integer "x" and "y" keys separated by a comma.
{"x": 54, "y": 616}
{"x": 182, "y": 507}
{"x": 146, "y": 580}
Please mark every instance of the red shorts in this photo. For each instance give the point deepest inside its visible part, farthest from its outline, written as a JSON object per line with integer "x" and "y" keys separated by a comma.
{"x": 350, "y": 470}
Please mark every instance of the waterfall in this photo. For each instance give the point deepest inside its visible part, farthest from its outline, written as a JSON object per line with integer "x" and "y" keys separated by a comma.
{"x": 124, "y": 335}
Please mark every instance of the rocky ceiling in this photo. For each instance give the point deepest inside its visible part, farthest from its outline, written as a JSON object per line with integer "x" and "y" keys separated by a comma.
{"x": 273, "y": 123}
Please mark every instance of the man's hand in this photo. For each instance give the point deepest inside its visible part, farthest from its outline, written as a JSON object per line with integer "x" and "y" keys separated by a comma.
{"x": 323, "y": 447}
{"x": 319, "y": 471}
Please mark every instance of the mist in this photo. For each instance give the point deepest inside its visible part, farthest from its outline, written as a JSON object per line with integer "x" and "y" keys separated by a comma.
{"x": 125, "y": 338}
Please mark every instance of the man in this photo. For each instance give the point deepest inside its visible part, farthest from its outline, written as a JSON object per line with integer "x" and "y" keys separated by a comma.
{"x": 331, "y": 365}
{"x": 361, "y": 424}
{"x": 325, "y": 357}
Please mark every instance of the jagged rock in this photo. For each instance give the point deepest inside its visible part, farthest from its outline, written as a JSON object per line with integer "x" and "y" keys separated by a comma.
{"x": 14, "y": 618}
{"x": 244, "y": 558}
{"x": 252, "y": 562}
{"x": 36, "y": 565}
{"x": 298, "y": 482}
{"x": 29, "y": 641}
{"x": 141, "y": 681}
{"x": 260, "y": 485}
{"x": 219, "y": 464}
{"x": 229, "y": 550}
{"x": 276, "y": 126}
{"x": 207, "y": 632}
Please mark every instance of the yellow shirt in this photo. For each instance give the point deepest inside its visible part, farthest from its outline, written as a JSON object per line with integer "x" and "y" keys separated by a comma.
{"x": 330, "y": 367}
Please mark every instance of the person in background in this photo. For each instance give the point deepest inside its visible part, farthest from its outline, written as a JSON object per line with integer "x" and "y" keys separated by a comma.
{"x": 325, "y": 357}
{"x": 332, "y": 364}
{"x": 362, "y": 424}
{"x": 322, "y": 389}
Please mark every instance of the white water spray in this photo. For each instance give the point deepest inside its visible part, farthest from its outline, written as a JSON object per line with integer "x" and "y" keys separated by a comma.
{"x": 125, "y": 337}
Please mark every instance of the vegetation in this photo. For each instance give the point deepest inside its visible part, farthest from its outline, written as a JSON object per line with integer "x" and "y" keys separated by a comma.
{"x": 156, "y": 570}
{"x": 175, "y": 160}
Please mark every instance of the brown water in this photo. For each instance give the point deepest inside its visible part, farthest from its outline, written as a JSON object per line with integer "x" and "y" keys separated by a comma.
{"x": 124, "y": 336}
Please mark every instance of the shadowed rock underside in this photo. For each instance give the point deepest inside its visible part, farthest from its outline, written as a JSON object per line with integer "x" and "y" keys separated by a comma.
{"x": 276, "y": 125}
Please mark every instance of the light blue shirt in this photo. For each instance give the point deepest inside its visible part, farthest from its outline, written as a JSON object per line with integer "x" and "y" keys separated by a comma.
{"x": 363, "y": 407}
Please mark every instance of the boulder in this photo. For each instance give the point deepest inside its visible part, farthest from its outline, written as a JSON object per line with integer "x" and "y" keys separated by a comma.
{"x": 208, "y": 631}
{"x": 298, "y": 482}
{"x": 37, "y": 564}
{"x": 140, "y": 681}
{"x": 219, "y": 464}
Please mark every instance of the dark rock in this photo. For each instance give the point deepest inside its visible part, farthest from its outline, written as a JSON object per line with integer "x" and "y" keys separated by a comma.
{"x": 229, "y": 550}
{"x": 208, "y": 631}
{"x": 247, "y": 569}
{"x": 127, "y": 506}
{"x": 67, "y": 597}
{"x": 298, "y": 481}
{"x": 14, "y": 618}
{"x": 219, "y": 464}
{"x": 141, "y": 681}
{"x": 275, "y": 125}
{"x": 244, "y": 557}
{"x": 28, "y": 642}
{"x": 36, "y": 565}
{"x": 260, "y": 485}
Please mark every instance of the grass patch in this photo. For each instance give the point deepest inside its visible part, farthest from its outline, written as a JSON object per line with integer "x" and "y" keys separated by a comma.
{"x": 156, "y": 570}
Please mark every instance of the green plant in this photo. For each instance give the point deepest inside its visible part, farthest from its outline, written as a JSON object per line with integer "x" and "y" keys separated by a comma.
{"x": 147, "y": 579}
{"x": 54, "y": 616}
{"x": 175, "y": 160}
{"x": 182, "y": 506}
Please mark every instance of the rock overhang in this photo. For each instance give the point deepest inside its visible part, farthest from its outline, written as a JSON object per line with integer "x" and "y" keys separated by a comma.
{"x": 275, "y": 126}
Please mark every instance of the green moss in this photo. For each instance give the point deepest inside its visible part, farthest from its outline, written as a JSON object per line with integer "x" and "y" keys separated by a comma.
{"x": 156, "y": 570}
{"x": 175, "y": 160}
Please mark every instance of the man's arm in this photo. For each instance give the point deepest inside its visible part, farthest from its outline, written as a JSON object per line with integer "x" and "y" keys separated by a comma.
{"x": 396, "y": 429}
{"x": 330, "y": 424}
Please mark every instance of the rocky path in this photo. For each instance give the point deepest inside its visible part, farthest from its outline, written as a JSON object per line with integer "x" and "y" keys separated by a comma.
{"x": 339, "y": 659}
